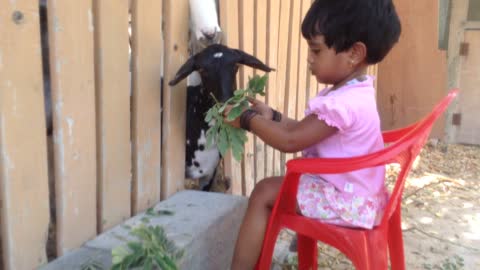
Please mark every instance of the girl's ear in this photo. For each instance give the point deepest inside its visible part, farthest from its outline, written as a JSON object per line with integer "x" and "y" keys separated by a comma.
{"x": 358, "y": 53}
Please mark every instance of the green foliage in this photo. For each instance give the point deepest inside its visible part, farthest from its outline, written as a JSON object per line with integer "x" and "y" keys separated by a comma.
{"x": 226, "y": 136}
{"x": 151, "y": 212}
{"x": 153, "y": 251}
{"x": 92, "y": 265}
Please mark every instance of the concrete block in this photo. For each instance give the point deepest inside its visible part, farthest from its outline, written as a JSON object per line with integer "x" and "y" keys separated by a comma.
{"x": 205, "y": 225}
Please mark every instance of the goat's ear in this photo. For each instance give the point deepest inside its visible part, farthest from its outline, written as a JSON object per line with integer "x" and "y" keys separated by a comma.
{"x": 184, "y": 71}
{"x": 252, "y": 61}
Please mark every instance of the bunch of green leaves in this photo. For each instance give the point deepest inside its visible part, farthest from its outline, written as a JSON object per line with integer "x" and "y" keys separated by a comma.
{"x": 226, "y": 136}
{"x": 153, "y": 251}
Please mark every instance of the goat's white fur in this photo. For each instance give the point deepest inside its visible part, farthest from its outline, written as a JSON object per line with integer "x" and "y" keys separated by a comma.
{"x": 204, "y": 20}
{"x": 205, "y": 30}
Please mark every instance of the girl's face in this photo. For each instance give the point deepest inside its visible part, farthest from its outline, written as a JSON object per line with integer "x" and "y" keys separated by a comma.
{"x": 328, "y": 66}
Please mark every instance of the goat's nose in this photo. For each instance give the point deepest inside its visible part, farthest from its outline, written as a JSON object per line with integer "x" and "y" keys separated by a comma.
{"x": 210, "y": 35}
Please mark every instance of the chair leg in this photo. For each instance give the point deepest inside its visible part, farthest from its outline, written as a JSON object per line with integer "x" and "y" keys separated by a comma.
{"x": 307, "y": 253}
{"x": 395, "y": 241}
{"x": 265, "y": 260}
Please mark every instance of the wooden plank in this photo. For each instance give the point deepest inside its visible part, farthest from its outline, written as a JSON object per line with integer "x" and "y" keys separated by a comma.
{"x": 261, "y": 53}
{"x": 413, "y": 76}
{"x": 373, "y": 71}
{"x": 293, "y": 63}
{"x": 73, "y": 99}
{"x": 303, "y": 71}
{"x": 247, "y": 31}
{"x": 174, "y": 98}
{"x": 147, "y": 53}
{"x": 112, "y": 80}
{"x": 272, "y": 61}
{"x": 283, "y": 70}
{"x": 24, "y": 211}
{"x": 229, "y": 23}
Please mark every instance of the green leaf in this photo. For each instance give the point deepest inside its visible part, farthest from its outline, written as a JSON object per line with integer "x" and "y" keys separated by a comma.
{"x": 210, "y": 114}
{"x": 118, "y": 254}
{"x": 234, "y": 113}
{"x": 148, "y": 265}
{"x": 165, "y": 213}
{"x": 135, "y": 246}
{"x": 237, "y": 136}
{"x": 238, "y": 151}
{"x": 222, "y": 108}
{"x": 150, "y": 211}
{"x": 222, "y": 141}
{"x": 239, "y": 92}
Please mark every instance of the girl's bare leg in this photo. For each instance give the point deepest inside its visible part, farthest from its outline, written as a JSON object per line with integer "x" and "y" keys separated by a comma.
{"x": 252, "y": 230}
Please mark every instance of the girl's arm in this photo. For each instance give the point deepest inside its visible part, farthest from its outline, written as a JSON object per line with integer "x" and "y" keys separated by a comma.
{"x": 291, "y": 138}
{"x": 288, "y": 136}
{"x": 265, "y": 111}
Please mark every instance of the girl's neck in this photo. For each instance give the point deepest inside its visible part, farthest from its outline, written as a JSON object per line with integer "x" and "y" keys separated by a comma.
{"x": 362, "y": 71}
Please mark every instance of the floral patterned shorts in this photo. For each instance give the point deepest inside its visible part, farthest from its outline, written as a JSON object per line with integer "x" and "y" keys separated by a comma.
{"x": 320, "y": 200}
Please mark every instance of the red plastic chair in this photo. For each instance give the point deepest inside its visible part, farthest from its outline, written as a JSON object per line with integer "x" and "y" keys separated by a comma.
{"x": 367, "y": 249}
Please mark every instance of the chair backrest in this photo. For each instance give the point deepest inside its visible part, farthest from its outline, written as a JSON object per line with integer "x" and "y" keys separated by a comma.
{"x": 408, "y": 146}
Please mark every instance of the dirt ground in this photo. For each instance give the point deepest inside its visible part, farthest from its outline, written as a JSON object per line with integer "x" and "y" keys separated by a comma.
{"x": 441, "y": 213}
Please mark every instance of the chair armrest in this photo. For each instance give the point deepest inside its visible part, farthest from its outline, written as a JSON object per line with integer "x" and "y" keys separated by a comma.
{"x": 337, "y": 165}
{"x": 393, "y": 135}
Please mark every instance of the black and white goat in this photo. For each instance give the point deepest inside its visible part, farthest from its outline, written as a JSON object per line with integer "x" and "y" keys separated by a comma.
{"x": 217, "y": 66}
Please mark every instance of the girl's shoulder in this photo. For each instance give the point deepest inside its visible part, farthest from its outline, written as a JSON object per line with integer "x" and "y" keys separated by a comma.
{"x": 353, "y": 92}
{"x": 343, "y": 107}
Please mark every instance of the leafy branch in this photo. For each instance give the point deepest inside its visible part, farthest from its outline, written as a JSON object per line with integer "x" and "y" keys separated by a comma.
{"x": 226, "y": 136}
{"x": 154, "y": 251}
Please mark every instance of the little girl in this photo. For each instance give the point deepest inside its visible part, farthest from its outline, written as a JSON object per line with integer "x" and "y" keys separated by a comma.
{"x": 344, "y": 37}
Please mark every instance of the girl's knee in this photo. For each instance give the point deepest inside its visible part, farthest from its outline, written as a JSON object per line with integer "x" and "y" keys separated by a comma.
{"x": 266, "y": 191}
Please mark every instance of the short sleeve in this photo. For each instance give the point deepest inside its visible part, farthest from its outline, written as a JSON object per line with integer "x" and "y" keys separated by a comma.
{"x": 334, "y": 112}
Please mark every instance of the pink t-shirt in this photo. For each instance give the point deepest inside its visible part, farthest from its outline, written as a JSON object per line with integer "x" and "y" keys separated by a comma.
{"x": 353, "y": 110}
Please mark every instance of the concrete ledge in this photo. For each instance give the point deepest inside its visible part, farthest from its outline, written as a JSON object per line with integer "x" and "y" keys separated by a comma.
{"x": 205, "y": 225}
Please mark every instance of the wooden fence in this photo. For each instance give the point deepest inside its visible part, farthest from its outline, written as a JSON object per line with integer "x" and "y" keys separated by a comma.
{"x": 113, "y": 126}
{"x": 109, "y": 120}
{"x": 270, "y": 30}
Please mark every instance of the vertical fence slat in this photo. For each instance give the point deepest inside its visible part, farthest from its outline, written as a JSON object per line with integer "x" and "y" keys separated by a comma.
{"x": 272, "y": 60}
{"x": 112, "y": 81}
{"x": 303, "y": 71}
{"x": 261, "y": 53}
{"x": 174, "y": 98}
{"x": 24, "y": 208}
{"x": 373, "y": 71}
{"x": 146, "y": 102}
{"x": 73, "y": 99}
{"x": 294, "y": 62}
{"x": 247, "y": 32}
{"x": 282, "y": 71}
{"x": 229, "y": 23}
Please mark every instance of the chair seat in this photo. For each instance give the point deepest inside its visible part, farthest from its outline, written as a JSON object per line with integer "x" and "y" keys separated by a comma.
{"x": 355, "y": 243}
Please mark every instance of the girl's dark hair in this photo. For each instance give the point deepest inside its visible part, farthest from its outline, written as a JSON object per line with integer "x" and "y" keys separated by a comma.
{"x": 344, "y": 22}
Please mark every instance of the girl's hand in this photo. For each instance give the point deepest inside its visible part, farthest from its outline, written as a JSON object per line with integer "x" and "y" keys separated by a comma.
{"x": 235, "y": 123}
{"x": 262, "y": 108}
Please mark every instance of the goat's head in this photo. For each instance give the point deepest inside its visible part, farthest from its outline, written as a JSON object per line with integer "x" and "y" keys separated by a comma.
{"x": 218, "y": 66}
